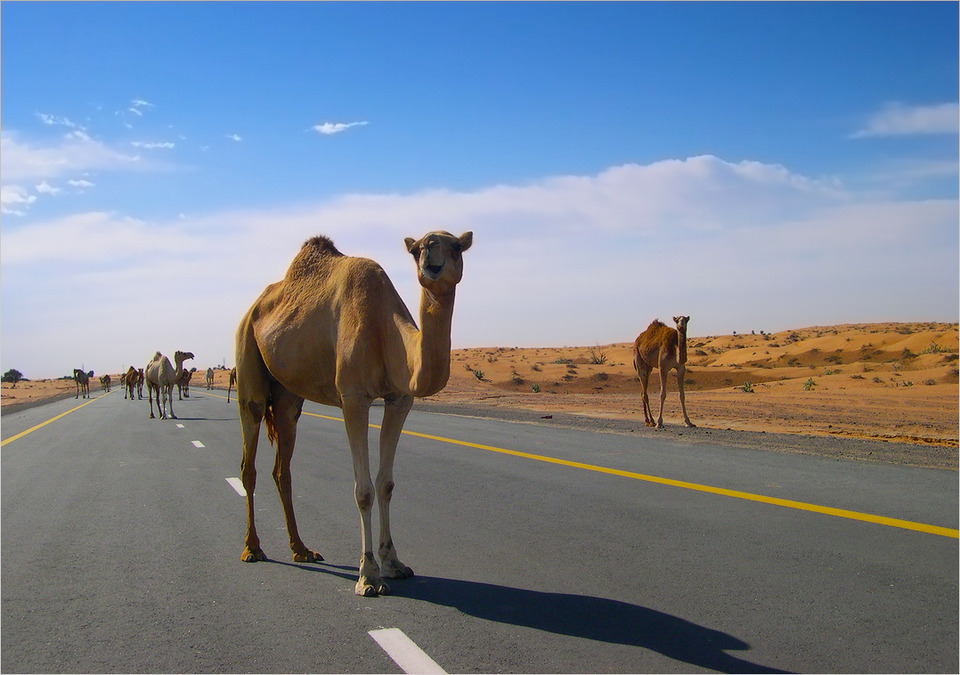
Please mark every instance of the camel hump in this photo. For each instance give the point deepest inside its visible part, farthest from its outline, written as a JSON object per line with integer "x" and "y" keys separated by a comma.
{"x": 314, "y": 252}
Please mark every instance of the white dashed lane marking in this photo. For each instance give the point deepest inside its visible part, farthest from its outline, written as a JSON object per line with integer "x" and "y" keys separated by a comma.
{"x": 405, "y": 651}
{"x": 180, "y": 426}
{"x": 237, "y": 485}
{"x": 198, "y": 444}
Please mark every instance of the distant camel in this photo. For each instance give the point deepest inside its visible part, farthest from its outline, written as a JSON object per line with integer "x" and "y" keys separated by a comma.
{"x": 209, "y": 378}
{"x": 660, "y": 346}
{"x": 335, "y": 331}
{"x": 160, "y": 376}
{"x": 183, "y": 385}
{"x": 232, "y": 382}
{"x": 82, "y": 380}
{"x": 105, "y": 382}
{"x": 129, "y": 380}
{"x": 123, "y": 383}
{"x": 140, "y": 379}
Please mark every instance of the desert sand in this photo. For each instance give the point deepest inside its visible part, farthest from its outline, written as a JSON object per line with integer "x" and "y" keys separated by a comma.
{"x": 892, "y": 382}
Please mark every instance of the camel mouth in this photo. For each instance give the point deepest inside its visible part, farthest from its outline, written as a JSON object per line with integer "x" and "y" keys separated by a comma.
{"x": 432, "y": 271}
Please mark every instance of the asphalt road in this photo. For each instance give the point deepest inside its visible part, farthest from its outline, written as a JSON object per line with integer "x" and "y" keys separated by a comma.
{"x": 536, "y": 549}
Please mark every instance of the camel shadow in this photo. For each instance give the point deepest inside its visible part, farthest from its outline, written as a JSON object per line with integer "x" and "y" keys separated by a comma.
{"x": 592, "y": 618}
{"x": 578, "y": 616}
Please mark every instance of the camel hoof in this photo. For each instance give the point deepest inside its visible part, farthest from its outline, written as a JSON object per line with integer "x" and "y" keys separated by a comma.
{"x": 307, "y": 556}
{"x": 249, "y": 555}
{"x": 371, "y": 590}
{"x": 691, "y": 425}
{"x": 395, "y": 569}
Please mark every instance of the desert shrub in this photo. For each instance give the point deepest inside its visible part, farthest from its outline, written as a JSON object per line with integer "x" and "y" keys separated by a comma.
{"x": 746, "y": 387}
{"x": 535, "y": 367}
{"x": 563, "y": 362}
{"x": 699, "y": 352}
{"x": 518, "y": 380}
{"x": 598, "y": 357}
{"x": 834, "y": 358}
{"x": 602, "y": 377}
{"x": 908, "y": 383}
{"x": 809, "y": 384}
{"x": 930, "y": 382}
{"x": 535, "y": 388}
{"x": 857, "y": 377}
{"x": 877, "y": 380}
{"x": 933, "y": 348}
{"x": 831, "y": 372}
{"x": 794, "y": 361}
{"x": 478, "y": 374}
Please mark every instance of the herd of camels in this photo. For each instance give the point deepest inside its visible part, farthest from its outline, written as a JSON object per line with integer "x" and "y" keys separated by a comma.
{"x": 335, "y": 331}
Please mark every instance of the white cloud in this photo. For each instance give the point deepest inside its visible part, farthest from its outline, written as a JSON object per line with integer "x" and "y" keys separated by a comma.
{"x": 53, "y": 120}
{"x": 896, "y": 119}
{"x": 166, "y": 145}
{"x": 563, "y": 260}
{"x": 44, "y": 188}
{"x": 330, "y": 128}
{"x": 80, "y": 183}
{"x": 14, "y": 200}
{"x": 75, "y": 152}
{"x": 235, "y": 137}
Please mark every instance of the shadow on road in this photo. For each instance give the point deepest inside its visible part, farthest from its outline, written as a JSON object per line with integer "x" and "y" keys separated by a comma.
{"x": 587, "y": 617}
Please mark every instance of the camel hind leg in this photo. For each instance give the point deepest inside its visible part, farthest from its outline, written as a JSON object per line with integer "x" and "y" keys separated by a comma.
{"x": 394, "y": 415}
{"x": 286, "y": 408}
{"x": 644, "y": 373}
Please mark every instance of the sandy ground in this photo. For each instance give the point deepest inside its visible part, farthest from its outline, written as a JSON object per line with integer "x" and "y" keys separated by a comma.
{"x": 884, "y": 382}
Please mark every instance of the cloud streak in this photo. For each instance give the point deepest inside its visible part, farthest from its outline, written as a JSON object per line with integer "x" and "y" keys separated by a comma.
{"x": 896, "y": 119}
{"x": 563, "y": 260}
{"x": 331, "y": 128}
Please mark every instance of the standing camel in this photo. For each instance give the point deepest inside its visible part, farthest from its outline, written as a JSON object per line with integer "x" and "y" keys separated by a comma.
{"x": 140, "y": 384}
{"x": 660, "y": 346}
{"x": 232, "y": 382}
{"x": 105, "y": 382}
{"x": 160, "y": 377}
{"x": 130, "y": 382}
{"x": 335, "y": 331}
{"x": 209, "y": 378}
{"x": 82, "y": 380}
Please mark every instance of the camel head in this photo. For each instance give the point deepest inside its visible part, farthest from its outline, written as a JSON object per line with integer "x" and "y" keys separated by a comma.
{"x": 681, "y": 322}
{"x": 438, "y": 256}
{"x": 180, "y": 357}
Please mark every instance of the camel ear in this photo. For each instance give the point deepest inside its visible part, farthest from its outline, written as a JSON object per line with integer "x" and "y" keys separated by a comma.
{"x": 411, "y": 245}
{"x": 466, "y": 240}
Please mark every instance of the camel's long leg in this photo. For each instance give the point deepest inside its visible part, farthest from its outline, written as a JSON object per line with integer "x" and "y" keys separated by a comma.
{"x": 356, "y": 416}
{"x": 681, "y": 369}
{"x": 664, "y": 371}
{"x": 169, "y": 389}
{"x": 150, "y": 397}
{"x": 251, "y": 415}
{"x": 644, "y": 373}
{"x": 286, "y": 412}
{"x": 394, "y": 415}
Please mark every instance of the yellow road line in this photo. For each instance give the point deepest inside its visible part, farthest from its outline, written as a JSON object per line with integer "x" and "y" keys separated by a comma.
{"x": 775, "y": 501}
{"x": 52, "y": 419}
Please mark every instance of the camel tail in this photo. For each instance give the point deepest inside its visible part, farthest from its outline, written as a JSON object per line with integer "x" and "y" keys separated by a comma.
{"x": 636, "y": 357}
{"x": 271, "y": 429}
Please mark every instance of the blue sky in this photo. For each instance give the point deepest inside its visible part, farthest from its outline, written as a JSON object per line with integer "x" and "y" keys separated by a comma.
{"x": 758, "y": 166}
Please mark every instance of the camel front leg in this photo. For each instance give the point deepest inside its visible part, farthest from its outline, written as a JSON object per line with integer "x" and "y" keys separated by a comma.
{"x": 356, "y": 417}
{"x": 150, "y": 397}
{"x": 170, "y": 397}
{"x": 663, "y": 394}
{"x": 394, "y": 415}
{"x": 683, "y": 402}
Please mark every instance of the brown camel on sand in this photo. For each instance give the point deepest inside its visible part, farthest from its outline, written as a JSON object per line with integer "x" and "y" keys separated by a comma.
{"x": 209, "y": 378}
{"x": 660, "y": 346}
{"x": 130, "y": 379}
{"x": 335, "y": 331}
{"x": 140, "y": 379}
{"x": 82, "y": 380}
{"x": 161, "y": 376}
{"x": 232, "y": 382}
{"x": 183, "y": 384}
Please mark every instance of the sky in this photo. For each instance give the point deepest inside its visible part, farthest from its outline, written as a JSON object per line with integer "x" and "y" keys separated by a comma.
{"x": 756, "y": 166}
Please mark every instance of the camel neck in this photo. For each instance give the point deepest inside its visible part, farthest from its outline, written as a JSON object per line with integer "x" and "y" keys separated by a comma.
{"x": 682, "y": 346}
{"x": 431, "y": 366}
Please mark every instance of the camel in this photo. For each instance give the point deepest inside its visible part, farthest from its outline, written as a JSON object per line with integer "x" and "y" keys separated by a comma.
{"x": 140, "y": 379}
{"x": 231, "y": 382}
{"x": 183, "y": 385}
{"x": 105, "y": 382}
{"x": 160, "y": 377}
{"x": 335, "y": 331}
{"x": 209, "y": 378}
{"x": 82, "y": 380}
{"x": 660, "y": 346}
{"x": 130, "y": 379}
